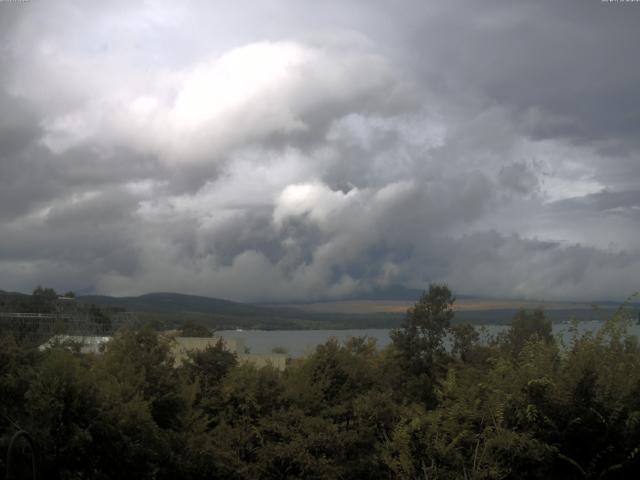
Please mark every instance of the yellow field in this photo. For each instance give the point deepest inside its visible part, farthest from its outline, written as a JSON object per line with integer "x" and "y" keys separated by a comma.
{"x": 395, "y": 306}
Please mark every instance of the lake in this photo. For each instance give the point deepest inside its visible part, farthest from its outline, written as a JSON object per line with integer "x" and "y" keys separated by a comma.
{"x": 299, "y": 343}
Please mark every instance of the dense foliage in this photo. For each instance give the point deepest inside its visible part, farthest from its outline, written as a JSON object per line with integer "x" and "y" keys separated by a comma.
{"x": 520, "y": 406}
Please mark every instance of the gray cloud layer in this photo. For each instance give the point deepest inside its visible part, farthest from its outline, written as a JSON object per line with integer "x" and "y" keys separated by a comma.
{"x": 289, "y": 151}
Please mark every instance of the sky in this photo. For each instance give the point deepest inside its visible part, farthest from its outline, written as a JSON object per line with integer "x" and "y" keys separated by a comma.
{"x": 298, "y": 151}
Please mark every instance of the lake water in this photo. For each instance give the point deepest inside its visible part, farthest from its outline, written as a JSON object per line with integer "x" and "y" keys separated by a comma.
{"x": 302, "y": 342}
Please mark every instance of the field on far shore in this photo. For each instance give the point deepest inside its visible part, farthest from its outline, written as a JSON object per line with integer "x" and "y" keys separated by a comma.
{"x": 461, "y": 305}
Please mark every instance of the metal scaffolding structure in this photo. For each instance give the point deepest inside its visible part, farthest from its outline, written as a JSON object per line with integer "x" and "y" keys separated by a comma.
{"x": 42, "y": 326}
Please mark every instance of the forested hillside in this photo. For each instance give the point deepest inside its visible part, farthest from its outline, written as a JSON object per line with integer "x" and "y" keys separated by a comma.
{"x": 522, "y": 406}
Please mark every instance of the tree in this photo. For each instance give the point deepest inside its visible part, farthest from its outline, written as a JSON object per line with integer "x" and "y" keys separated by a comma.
{"x": 98, "y": 317}
{"x": 207, "y": 368}
{"x": 43, "y": 299}
{"x": 526, "y": 325}
{"x": 140, "y": 362}
{"x": 63, "y": 404}
{"x": 48, "y": 294}
{"x": 465, "y": 339}
{"x": 193, "y": 329}
{"x": 418, "y": 344}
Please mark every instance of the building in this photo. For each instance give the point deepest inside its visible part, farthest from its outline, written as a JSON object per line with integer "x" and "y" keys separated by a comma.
{"x": 85, "y": 344}
{"x": 180, "y": 347}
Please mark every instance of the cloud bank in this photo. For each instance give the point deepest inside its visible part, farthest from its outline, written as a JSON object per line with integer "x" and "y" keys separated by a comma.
{"x": 297, "y": 152}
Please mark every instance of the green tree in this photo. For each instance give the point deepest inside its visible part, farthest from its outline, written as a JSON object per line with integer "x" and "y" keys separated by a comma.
{"x": 465, "y": 341}
{"x": 192, "y": 329}
{"x": 338, "y": 396}
{"x": 63, "y": 404}
{"x": 101, "y": 319}
{"x": 418, "y": 345}
{"x": 48, "y": 294}
{"x": 526, "y": 325}
{"x": 141, "y": 362}
{"x": 206, "y": 369}
{"x": 43, "y": 299}
{"x": 17, "y": 366}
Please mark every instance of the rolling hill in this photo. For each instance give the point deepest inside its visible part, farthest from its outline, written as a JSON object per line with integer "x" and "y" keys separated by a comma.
{"x": 174, "y": 308}
{"x": 171, "y": 310}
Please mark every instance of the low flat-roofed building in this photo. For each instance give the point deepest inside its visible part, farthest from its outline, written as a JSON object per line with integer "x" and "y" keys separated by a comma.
{"x": 87, "y": 344}
{"x": 182, "y": 345}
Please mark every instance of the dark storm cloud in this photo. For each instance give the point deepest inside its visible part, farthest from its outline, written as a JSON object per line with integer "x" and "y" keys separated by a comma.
{"x": 565, "y": 69}
{"x": 519, "y": 177}
{"x": 328, "y": 150}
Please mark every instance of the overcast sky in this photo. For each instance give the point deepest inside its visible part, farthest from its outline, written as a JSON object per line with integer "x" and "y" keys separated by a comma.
{"x": 298, "y": 150}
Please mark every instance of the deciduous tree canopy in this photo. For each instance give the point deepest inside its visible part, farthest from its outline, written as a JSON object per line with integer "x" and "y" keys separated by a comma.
{"x": 519, "y": 406}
